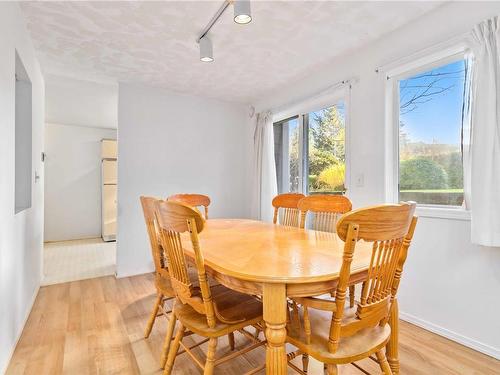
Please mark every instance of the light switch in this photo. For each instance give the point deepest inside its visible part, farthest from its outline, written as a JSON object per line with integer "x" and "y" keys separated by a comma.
{"x": 360, "y": 180}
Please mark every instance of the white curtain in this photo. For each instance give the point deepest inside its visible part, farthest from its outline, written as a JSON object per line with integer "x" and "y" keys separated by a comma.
{"x": 482, "y": 138}
{"x": 264, "y": 177}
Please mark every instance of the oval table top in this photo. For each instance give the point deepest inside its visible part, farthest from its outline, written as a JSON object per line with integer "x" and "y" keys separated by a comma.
{"x": 269, "y": 253}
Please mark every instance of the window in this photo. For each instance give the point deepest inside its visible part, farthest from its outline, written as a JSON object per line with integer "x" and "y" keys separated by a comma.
{"x": 312, "y": 145}
{"x": 430, "y": 124}
{"x": 23, "y": 133}
{"x": 286, "y": 154}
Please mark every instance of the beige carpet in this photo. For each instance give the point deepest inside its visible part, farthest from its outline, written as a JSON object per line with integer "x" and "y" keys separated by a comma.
{"x": 78, "y": 260}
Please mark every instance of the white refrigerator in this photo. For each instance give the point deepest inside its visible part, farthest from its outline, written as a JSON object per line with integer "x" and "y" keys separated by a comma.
{"x": 109, "y": 179}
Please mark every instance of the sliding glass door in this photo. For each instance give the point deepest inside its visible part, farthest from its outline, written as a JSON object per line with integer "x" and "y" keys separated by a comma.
{"x": 310, "y": 152}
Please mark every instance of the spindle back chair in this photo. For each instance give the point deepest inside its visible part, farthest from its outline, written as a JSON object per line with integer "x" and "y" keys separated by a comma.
{"x": 193, "y": 200}
{"x": 174, "y": 219}
{"x": 207, "y": 311}
{"x": 164, "y": 290}
{"x": 358, "y": 333}
{"x": 325, "y": 210}
{"x": 286, "y": 211}
{"x": 390, "y": 228}
{"x": 148, "y": 209}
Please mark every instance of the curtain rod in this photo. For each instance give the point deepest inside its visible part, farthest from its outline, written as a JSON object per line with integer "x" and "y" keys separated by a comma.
{"x": 349, "y": 81}
{"x": 435, "y": 48}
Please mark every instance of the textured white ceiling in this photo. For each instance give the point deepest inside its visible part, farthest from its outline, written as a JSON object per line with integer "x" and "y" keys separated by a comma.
{"x": 154, "y": 42}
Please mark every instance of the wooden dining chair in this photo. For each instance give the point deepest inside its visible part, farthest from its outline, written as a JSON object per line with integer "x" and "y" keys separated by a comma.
{"x": 164, "y": 290}
{"x": 286, "y": 211}
{"x": 193, "y": 200}
{"x": 333, "y": 334}
{"x": 210, "y": 312}
{"x": 325, "y": 210}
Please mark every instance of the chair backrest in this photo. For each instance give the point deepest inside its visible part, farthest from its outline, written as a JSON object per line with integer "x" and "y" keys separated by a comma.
{"x": 148, "y": 209}
{"x": 193, "y": 200}
{"x": 390, "y": 228}
{"x": 175, "y": 218}
{"x": 290, "y": 213}
{"x": 325, "y": 210}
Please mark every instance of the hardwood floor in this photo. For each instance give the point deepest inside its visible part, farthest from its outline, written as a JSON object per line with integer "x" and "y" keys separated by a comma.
{"x": 96, "y": 327}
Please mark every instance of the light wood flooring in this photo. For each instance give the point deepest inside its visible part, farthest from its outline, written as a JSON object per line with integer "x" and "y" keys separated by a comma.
{"x": 96, "y": 327}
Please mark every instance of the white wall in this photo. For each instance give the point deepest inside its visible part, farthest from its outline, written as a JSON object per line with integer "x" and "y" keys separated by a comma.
{"x": 21, "y": 235}
{"x": 78, "y": 115}
{"x": 84, "y": 103}
{"x": 73, "y": 181}
{"x": 170, "y": 143}
{"x": 449, "y": 285}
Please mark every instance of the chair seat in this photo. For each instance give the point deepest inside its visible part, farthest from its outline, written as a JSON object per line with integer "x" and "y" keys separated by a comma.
{"x": 353, "y": 348}
{"x": 234, "y": 311}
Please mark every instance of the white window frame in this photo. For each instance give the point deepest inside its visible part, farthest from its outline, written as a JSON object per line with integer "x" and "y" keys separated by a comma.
{"x": 341, "y": 95}
{"x": 420, "y": 64}
{"x": 285, "y": 148}
{"x": 285, "y": 157}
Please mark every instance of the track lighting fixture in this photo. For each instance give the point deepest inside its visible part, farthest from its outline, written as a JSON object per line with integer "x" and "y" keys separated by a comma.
{"x": 242, "y": 15}
{"x": 206, "y": 49}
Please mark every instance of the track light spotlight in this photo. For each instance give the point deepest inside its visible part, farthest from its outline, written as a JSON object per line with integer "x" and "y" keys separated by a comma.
{"x": 206, "y": 49}
{"x": 242, "y": 13}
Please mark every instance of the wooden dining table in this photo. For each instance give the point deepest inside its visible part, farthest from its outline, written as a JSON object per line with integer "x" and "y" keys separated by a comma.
{"x": 277, "y": 262}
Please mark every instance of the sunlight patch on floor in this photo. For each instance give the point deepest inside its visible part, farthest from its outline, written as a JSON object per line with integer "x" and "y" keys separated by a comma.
{"x": 78, "y": 260}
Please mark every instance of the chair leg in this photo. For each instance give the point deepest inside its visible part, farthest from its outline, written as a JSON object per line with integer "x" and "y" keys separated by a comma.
{"x": 352, "y": 292}
{"x": 332, "y": 369}
{"x": 210, "y": 363}
{"x": 230, "y": 336}
{"x": 174, "y": 347}
{"x": 295, "y": 314}
{"x": 382, "y": 361}
{"x": 305, "y": 362}
{"x": 256, "y": 334}
{"x": 168, "y": 339}
{"x": 152, "y": 318}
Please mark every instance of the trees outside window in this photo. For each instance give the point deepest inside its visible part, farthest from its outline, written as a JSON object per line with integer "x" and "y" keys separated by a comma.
{"x": 327, "y": 150}
{"x": 430, "y": 125}
{"x": 312, "y": 145}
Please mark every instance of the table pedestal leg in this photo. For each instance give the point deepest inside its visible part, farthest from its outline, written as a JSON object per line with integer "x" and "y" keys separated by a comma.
{"x": 392, "y": 351}
{"x": 274, "y": 304}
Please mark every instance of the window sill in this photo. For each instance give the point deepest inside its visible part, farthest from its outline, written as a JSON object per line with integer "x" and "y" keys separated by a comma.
{"x": 457, "y": 213}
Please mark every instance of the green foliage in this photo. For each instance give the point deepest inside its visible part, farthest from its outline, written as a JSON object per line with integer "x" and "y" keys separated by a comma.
{"x": 332, "y": 177}
{"x": 327, "y": 130}
{"x": 326, "y": 140}
{"x": 452, "y": 164}
{"x": 294, "y": 161}
{"x": 422, "y": 173}
{"x": 326, "y": 151}
{"x": 313, "y": 182}
{"x": 320, "y": 160}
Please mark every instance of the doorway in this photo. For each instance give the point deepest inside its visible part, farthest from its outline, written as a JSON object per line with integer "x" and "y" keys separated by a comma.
{"x": 80, "y": 180}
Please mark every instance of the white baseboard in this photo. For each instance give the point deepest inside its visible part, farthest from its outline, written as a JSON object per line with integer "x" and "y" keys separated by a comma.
{"x": 18, "y": 337}
{"x": 466, "y": 341}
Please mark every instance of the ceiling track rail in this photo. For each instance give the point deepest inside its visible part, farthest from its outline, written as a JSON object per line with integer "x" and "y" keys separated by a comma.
{"x": 214, "y": 19}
